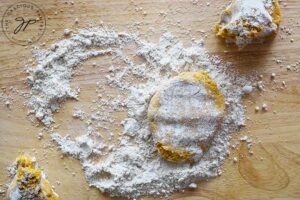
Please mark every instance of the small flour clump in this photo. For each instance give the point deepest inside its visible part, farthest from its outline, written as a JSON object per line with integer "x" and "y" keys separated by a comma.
{"x": 78, "y": 114}
{"x": 247, "y": 21}
{"x": 6, "y": 99}
{"x": 131, "y": 165}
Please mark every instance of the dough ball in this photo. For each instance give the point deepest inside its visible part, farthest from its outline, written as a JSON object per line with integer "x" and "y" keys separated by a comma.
{"x": 184, "y": 115}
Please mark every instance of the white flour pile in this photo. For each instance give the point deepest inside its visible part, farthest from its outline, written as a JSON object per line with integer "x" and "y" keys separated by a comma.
{"x": 132, "y": 167}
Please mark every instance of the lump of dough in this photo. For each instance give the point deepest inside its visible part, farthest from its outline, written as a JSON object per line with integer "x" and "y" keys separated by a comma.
{"x": 29, "y": 182}
{"x": 184, "y": 115}
{"x": 249, "y": 21}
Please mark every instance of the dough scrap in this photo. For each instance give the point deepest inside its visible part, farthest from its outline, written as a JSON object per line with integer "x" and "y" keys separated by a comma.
{"x": 249, "y": 21}
{"x": 30, "y": 182}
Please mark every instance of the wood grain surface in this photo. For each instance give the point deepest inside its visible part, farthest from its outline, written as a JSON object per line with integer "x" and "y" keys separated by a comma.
{"x": 272, "y": 172}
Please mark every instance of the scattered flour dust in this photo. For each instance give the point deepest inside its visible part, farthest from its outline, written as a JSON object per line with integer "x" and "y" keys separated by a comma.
{"x": 132, "y": 166}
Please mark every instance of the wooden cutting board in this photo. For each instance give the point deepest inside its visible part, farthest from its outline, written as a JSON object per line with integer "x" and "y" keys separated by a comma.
{"x": 272, "y": 172}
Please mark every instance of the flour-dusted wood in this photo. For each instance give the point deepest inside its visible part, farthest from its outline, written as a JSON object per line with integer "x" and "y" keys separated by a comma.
{"x": 271, "y": 172}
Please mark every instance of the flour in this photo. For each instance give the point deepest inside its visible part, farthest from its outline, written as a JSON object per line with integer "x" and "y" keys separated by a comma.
{"x": 79, "y": 114}
{"x": 130, "y": 166}
{"x": 6, "y": 98}
{"x": 50, "y": 80}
